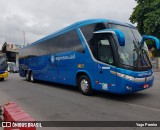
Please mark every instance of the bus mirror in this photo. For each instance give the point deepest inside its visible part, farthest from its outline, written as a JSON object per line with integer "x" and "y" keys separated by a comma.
{"x": 156, "y": 40}
{"x": 118, "y": 33}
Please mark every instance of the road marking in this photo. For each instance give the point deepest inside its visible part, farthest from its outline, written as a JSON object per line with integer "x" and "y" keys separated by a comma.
{"x": 135, "y": 105}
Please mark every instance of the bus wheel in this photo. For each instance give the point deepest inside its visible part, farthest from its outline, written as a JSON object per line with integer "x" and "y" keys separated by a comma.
{"x": 31, "y": 77}
{"x": 84, "y": 85}
{"x": 28, "y": 78}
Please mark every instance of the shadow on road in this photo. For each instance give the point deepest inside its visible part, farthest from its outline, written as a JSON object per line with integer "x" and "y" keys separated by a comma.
{"x": 124, "y": 97}
{"x": 117, "y": 97}
{"x": 57, "y": 85}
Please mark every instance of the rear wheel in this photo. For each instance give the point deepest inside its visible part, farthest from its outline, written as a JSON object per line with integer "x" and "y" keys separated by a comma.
{"x": 32, "y": 79}
{"x": 28, "y": 78}
{"x": 84, "y": 85}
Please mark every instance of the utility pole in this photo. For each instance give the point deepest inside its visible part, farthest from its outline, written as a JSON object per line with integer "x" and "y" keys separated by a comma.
{"x": 24, "y": 38}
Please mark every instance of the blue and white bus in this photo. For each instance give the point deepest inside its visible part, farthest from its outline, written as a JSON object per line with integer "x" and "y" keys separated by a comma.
{"x": 96, "y": 54}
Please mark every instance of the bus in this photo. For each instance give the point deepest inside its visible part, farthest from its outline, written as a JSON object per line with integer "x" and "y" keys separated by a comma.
{"x": 95, "y": 54}
{"x": 3, "y": 66}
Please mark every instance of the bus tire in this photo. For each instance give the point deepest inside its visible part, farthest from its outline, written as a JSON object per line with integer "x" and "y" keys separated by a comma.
{"x": 84, "y": 85}
{"x": 31, "y": 77}
{"x": 28, "y": 78}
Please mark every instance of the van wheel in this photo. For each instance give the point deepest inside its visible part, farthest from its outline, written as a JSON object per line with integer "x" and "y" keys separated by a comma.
{"x": 84, "y": 85}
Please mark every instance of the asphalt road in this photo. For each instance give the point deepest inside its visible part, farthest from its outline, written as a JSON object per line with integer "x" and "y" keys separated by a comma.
{"x": 54, "y": 102}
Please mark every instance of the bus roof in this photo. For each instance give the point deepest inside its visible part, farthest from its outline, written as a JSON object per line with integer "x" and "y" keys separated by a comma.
{"x": 77, "y": 25}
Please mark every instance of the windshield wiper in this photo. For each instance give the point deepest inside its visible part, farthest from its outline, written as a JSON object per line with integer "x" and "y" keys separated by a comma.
{"x": 135, "y": 60}
{"x": 141, "y": 54}
{"x": 139, "y": 50}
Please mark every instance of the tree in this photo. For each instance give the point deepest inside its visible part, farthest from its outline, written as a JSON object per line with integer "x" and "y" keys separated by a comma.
{"x": 147, "y": 16}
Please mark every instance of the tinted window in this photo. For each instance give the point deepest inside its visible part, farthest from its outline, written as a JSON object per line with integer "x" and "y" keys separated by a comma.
{"x": 89, "y": 29}
{"x": 65, "y": 42}
{"x": 105, "y": 53}
{"x": 101, "y": 48}
{"x": 88, "y": 34}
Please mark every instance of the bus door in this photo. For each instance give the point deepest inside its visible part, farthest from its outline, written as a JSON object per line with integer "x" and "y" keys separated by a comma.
{"x": 106, "y": 63}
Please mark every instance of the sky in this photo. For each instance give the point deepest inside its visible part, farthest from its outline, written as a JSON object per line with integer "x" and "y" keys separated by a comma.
{"x": 38, "y": 18}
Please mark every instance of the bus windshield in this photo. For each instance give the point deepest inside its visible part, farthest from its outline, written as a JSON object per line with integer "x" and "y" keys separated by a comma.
{"x": 3, "y": 62}
{"x": 132, "y": 54}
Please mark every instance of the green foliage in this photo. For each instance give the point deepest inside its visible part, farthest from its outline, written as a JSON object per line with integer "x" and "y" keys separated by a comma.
{"x": 147, "y": 16}
{"x": 156, "y": 53}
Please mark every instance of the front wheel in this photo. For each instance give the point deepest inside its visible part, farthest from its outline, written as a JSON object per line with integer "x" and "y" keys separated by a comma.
{"x": 84, "y": 85}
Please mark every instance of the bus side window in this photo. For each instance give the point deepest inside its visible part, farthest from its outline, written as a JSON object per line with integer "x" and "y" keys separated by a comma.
{"x": 89, "y": 36}
{"x": 104, "y": 50}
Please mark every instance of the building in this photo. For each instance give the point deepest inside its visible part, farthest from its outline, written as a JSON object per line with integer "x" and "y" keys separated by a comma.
{"x": 12, "y": 52}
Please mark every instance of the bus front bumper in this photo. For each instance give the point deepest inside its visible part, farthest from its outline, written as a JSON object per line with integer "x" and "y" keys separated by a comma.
{"x": 4, "y": 75}
{"x": 130, "y": 86}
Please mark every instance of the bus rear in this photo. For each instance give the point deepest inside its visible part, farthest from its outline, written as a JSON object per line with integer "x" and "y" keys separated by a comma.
{"x": 3, "y": 66}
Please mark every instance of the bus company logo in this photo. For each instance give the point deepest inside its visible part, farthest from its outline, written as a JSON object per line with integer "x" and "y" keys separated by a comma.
{"x": 70, "y": 57}
{"x": 144, "y": 74}
{"x": 59, "y": 58}
{"x": 52, "y": 59}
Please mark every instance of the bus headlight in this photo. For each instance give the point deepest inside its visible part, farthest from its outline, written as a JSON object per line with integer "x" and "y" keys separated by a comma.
{"x": 129, "y": 77}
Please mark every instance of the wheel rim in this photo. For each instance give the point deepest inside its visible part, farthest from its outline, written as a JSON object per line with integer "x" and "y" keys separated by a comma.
{"x": 84, "y": 85}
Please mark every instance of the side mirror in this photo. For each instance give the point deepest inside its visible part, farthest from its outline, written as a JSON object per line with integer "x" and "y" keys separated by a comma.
{"x": 118, "y": 33}
{"x": 146, "y": 37}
